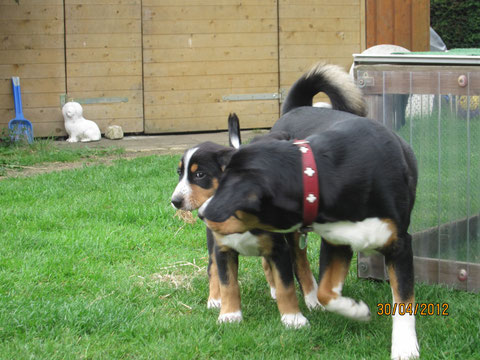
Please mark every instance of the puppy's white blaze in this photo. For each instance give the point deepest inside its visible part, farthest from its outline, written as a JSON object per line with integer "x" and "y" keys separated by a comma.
{"x": 273, "y": 293}
{"x": 311, "y": 299}
{"x": 183, "y": 188}
{"x": 214, "y": 303}
{"x": 295, "y": 321}
{"x": 349, "y": 308}
{"x": 366, "y": 235}
{"x": 245, "y": 244}
{"x": 230, "y": 317}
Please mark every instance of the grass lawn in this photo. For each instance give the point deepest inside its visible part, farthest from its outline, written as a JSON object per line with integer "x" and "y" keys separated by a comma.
{"x": 21, "y": 156}
{"x": 94, "y": 265}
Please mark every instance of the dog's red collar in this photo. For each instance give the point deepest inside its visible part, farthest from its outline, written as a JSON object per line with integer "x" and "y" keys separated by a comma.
{"x": 310, "y": 183}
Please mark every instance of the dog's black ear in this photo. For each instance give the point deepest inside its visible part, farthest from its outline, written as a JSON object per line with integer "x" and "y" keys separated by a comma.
{"x": 224, "y": 156}
{"x": 234, "y": 138}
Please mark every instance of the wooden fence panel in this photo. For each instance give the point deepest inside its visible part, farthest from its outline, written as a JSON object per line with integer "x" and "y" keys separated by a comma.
{"x": 32, "y": 48}
{"x": 196, "y": 52}
{"x": 104, "y": 61}
{"x": 318, "y": 30}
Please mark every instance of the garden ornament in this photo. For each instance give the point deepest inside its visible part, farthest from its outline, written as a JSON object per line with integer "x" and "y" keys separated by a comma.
{"x": 77, "y": 127}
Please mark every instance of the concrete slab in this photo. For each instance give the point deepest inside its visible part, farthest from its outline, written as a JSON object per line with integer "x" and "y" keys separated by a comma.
{"x": 168, "y": 144}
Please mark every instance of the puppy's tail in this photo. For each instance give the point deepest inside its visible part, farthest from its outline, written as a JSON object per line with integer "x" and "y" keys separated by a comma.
{"x": 333, "y": 81}
{"x": 234, "y": 138}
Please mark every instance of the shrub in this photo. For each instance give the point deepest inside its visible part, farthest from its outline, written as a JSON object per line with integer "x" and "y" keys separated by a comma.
{"x": 457, "y": 22}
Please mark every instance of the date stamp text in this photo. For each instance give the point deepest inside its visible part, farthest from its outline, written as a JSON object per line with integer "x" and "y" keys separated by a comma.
{"x": 421, "y": 309}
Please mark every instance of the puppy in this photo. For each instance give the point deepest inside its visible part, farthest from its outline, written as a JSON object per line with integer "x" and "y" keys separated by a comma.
{"x": 366, "y": 180}
{"x": 200, "y": 171}
{"x": 277, "y": 248}
{"x": 78, "y": 128}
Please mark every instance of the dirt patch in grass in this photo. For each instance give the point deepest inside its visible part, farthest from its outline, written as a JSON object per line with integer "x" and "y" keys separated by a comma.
{"x": 15, "y": 171}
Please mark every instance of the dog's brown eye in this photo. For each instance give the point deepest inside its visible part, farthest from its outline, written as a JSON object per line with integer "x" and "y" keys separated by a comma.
{"x": 199, "y": 175}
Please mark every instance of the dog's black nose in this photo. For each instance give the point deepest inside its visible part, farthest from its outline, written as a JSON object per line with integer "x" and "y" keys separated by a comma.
{"x": 177, "y": 202}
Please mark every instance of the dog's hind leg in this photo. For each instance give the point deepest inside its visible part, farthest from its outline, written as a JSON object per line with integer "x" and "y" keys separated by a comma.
{"x": 214, "y": 299}
{"x": 304, "y": 275}
{"x": 267, "y": 269}
{"x": 400, "y": 270}
{"x": 227, "y": 263}
{"x": 334, "y": 265}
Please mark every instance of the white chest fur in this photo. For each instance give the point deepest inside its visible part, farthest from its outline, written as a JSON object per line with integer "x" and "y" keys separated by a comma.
{"x": 366, "y": 235}
{"x": 245, "y": 244}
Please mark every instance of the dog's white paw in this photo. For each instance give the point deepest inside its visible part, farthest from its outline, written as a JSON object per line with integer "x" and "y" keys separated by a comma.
{"x": 408, "y": 349}
{"x": 404, "y": 338}
{"x": 312, "y": 302}
{"x": 273, "y": 293}
{"x": 71, "y": 140}
{"x": 214, "y": 303}
{"x": 233, "y": 317}
{"x": 350, "y": 308}
{"x": 295, "y": 321}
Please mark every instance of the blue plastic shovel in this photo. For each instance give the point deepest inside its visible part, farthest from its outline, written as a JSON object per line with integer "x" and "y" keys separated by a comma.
{"x": 20, "y": 127}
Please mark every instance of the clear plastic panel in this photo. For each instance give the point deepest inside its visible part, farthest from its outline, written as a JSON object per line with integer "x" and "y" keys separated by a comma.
{"x": 438, "y": 114}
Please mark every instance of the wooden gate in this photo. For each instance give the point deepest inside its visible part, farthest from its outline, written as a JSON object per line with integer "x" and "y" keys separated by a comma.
{"x": 198, "y": 54}
{"x": 104, "y": 61}
{"x": 318, "y": 30}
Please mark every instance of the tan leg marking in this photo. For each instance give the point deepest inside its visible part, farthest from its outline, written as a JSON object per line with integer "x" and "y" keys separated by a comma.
{"x": 269, "y": 276}
{"x": 287, "y": 302}
{"x": 230, "y": 293}
{"x": 214, "y": 282}
{"x": 286, "y": 297}
{"x": 333, "y": 277}
{"x": 394, "y": 285}
{"x": 304, "y": 275}
{"x": 302, "y": 267}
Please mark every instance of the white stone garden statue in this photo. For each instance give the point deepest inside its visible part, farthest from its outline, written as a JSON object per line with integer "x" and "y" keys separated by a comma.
{"x": 77, "y": 127}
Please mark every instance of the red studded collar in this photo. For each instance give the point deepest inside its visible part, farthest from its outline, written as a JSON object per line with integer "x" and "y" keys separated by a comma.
{"x": 310, "y": 183}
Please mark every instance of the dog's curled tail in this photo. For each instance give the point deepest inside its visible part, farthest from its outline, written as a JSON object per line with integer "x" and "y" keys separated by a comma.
{"x": 333, "y": 81}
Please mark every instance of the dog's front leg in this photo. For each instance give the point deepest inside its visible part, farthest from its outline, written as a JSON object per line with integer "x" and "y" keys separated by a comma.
{"x": 282, "y": 270}
{"x": 304, "y": 275}
{"x": 227, "y": 264}
{"x": 267, "y": 269}
{"x": 334, "y": 265}
{"x": 214, "y": 299}
{"x": 400, "y": 270}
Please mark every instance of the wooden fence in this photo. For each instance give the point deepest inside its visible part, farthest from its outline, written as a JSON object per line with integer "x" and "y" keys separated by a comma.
{"x": 156, "y": 66}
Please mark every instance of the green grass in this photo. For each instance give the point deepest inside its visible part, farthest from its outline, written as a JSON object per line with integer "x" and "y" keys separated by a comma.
{"x": 16, "y": 156}
{"x": 94, "y": 265}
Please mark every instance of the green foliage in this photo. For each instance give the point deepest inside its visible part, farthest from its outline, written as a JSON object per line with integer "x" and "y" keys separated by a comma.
{"x": 5, "y": 138}
{"x": 457, "y": 22}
